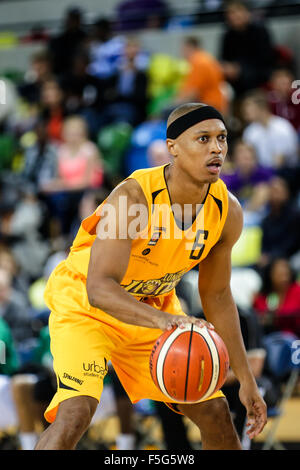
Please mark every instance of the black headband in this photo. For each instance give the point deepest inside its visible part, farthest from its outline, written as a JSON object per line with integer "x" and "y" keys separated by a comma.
{"x": 190, "y": 119}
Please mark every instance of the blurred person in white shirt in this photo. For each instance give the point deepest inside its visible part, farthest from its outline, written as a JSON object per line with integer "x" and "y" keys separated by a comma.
{"x": 274, "y": 138}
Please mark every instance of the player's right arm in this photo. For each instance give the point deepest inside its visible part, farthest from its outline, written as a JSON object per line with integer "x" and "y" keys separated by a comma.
{"x": 109, "y": 259}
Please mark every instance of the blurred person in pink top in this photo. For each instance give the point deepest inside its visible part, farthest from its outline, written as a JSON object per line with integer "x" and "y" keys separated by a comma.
{"x": 79, "y": 168}
{"x": 79, "y": 160}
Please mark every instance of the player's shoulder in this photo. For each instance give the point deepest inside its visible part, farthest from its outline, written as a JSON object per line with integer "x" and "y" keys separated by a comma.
{"x": 234, "y": 221}
{"x": 234, "y": 205}
{"x": 136, "y": 185}
{"x": 130, "y": 190}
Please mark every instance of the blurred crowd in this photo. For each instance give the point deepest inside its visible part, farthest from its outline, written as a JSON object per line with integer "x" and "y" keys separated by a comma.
{"x": 90, "y": 109}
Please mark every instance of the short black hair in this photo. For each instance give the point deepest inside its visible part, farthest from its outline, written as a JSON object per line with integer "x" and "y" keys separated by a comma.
{"x": 182, "y": 110}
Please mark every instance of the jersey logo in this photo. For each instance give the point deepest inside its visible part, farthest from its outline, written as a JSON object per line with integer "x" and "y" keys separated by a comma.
{"x": 156, "y": 235}
{"x": 155, "y": 287}
{"x": 154, "y": 239}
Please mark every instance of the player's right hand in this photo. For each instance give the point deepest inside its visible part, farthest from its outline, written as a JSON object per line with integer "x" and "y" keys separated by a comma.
{"x": 167, "y": 322}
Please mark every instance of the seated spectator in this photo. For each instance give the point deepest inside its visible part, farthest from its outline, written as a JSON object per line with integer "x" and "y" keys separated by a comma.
{"x": 248, "y": 180}
{"x": 281, "y": 224}
{"x": 20, "y": 226}
{"x": 84, "y": 92}
{"x": 53, "y": 110}
{"x": 105, "y": 50}
{"x": 88, "y": 204}
{"x": 278, "y": 303}
{"x": 246, "y": 49}
{"x": 280, "y": 99}
{"x": 205, "y": 81}
{"x": 126, "y": 90}
{"x": 39, "y": 72}
{"x": 13, "y": 310}
{"x": 40, "y": 159}
{"x": 64, "y": 47}
{"x": 20, "y": 281}
{"x": 79, "y": 168}
{"x": 32, "y": 387}
{"x": 79, "y": 161}
{"x": 274, "y": 138}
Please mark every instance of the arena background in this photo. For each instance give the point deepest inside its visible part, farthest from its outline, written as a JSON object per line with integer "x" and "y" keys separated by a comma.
{"x": 49, "y": 74}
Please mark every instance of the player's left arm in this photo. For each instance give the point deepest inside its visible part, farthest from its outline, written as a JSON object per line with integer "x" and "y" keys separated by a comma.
{"x": 220, "y": 310}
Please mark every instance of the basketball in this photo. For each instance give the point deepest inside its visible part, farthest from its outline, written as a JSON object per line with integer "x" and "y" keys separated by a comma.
{"x": 189, "y": 364}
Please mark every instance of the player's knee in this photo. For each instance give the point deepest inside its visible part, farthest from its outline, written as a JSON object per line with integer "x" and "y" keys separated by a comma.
{"x": 215, "y": 414}
{"x": 219, "y": 410}
{"x": 74, "y": 415}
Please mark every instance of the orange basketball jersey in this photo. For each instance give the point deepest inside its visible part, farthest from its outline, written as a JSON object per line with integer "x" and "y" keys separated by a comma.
{"x": 164, "y": 251}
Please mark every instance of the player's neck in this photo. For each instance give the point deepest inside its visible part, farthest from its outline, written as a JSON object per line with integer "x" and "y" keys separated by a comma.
{"x": 182, "y": 189}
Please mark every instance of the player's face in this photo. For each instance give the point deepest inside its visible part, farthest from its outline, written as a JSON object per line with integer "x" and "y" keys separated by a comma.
{"x": 200, "y": 151}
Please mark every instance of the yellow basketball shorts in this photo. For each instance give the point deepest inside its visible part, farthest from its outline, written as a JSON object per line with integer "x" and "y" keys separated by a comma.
{"x": 84, "y": 339}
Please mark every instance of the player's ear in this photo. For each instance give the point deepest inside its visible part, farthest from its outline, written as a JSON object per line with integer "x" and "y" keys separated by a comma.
{"x": 171, "y": 144}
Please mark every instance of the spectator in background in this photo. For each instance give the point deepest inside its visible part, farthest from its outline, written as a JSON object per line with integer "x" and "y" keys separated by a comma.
{"x": 40, "y": 160}
{"x": 246, "y": 49}
{"x": 79, "y": 169}
{"x": 274, "y": 138}
{"x": 281, "y": 225}
{"x": 205, "y": 81}
{"x": 88, "y": 204}
{"x": 53, "y": 110}
{"x": 79, "y": 161}
{"x": 32, "y": 387}
{"x": 64, "y": 47}
{"x": 278, "y": 303}
{"x": 84, "y": 92}
{"x": 20, "y": 282}
{"x": 126, "y": 90}
{"x": 13, "y": 310}
{"x": 105, "y": 49}
{"x": 248, "y": 180}
{"x": 20, "y": 226}
{"x": 279, "y": 97}
{"x": 39, "y": 72}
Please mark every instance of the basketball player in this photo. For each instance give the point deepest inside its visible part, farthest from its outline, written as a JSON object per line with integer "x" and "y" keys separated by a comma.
{"x": 115, "y": 294}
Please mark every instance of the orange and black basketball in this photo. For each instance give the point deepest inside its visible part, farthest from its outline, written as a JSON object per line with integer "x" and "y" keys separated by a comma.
{"x": 189, "y": 364}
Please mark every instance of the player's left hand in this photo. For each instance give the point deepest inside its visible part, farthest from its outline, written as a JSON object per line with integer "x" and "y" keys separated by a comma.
{"x": 256, "y": 409}
{"x": 181, "y": 321}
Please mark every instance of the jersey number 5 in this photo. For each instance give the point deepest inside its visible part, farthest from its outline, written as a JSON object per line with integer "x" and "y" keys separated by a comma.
{"x": 198, "y": 247}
